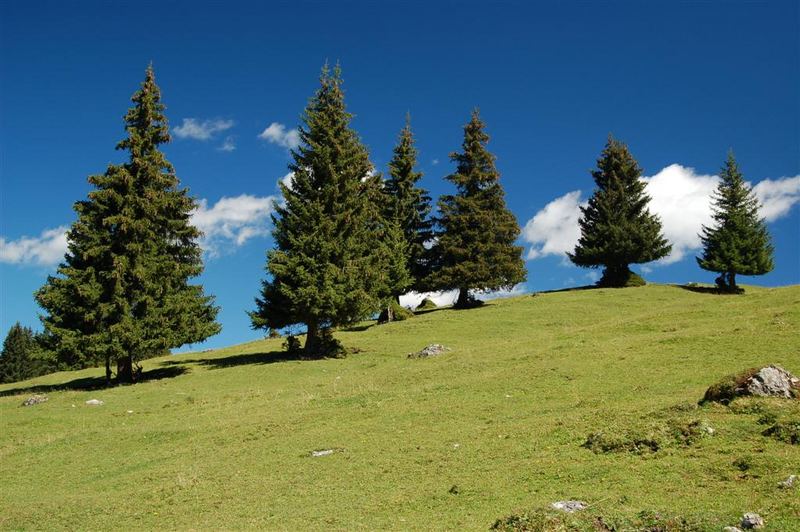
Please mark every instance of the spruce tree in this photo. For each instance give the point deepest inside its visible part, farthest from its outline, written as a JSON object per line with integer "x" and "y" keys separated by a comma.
{"x": 738, "y": 242}
{"x": 123, "y": 292}
{"x": 617, "y": 229}
{"x": 337, "y": 258}
{"x": 476, "y": 232}
{"x": 410, "y": 206}
{"x": 18, "y": 360}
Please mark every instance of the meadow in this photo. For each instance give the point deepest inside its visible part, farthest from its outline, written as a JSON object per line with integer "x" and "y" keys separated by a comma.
{"x": 225, "y": 439}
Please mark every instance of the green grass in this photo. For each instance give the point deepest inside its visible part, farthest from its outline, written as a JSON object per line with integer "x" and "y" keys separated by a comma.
{"x": 224, "y": 439}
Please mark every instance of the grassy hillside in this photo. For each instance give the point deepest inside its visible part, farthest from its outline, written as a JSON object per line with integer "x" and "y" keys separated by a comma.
{"x": 223, "y": 439}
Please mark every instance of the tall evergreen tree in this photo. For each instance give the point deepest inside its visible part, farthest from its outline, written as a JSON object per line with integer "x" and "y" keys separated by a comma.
{"x": 18, "y": 359}
{"x": 738, "y": 242}
{"x": 617, "y": 229}
{"x": 336, "y": 256}
{"x": 123, "y": 292}
{"x": 410, "y": 206}
{"x": 475, "y": 237}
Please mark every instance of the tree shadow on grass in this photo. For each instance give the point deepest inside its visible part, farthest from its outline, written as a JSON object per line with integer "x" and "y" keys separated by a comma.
{"x": 94, "y": 383}
{"x": 700, "y": 289}
{"x": 570, "y": 289}
{"x": 270, "y": 357}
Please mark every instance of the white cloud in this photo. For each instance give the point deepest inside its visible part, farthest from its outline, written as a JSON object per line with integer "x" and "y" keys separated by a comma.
{"x": 680, "y": 197}
{"x": 232, "y": 221}
{"x": 48, "y": 249}
{"x": 277, "y": 133}
{"x": 435, "y": 162}
{"x": 192, "y": 128}
{"x": 413, "y": 299}
{"x": 228, "y": 144}
{"x": 554, "y": 230}
{"x": 777, "y": 196}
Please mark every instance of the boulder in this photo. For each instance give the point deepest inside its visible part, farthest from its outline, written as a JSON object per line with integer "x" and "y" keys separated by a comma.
{"x": 430, "y": 351}
{"x": 768, "y": 381}
{"x": 94, "y": 402}
{"x": 34, "y": 400}
{"x": 773, "y": 381}
{"x": 788, "y": 483}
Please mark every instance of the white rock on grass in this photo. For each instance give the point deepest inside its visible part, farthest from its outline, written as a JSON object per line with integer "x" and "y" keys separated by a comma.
{"x": 751, "y": 521}
{"x": 324, "y": 452}
{"x": 34, "y": 400}
{"x": 772, "y": 381}
{"x": 94, "y": 402}
{"x": 789, "y": 482}
{"x": 431, "y": 350}
{"x": 569, "y": 506}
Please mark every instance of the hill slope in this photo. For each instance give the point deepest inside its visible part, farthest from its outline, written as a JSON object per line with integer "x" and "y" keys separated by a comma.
{"x": 223, "y": 439}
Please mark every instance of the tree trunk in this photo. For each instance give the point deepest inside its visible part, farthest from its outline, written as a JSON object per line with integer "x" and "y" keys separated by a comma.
{"x": 312, "y": 347}
{"x": 108, "y": 370}
{"x": 125, "y": 369}
{"x": 463, "y": 298}
{"x": 732, "y": 281}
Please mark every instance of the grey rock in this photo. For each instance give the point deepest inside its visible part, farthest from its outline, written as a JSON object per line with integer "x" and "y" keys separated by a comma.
{"x": 772, "y": 381}
{"x": 94, "y": 402}
{"x": 751, "y": 521}
{"x": 789, "y": 482}
{"x": 34, "y": 400}
{"x": 324, "y": 452}
{"x": 569, "y": 506}
{"x": 430, "y": 351}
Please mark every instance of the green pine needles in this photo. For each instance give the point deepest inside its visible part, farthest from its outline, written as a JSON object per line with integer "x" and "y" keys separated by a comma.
{"x": 409, "y": 206}
{"x": 738, "y": 242}
{"x": 476, "y": 232}
{"x": 617, "y": 229}
{"x": 337, "y": 258}
{"x": 123, "y": 292}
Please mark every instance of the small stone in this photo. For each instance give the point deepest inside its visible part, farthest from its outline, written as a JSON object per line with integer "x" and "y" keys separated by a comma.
{"x": 570, "y": 506}
{"x": 94, "y": 402}
{"x": 789, "y": 482}
{"x": 34, "y": 400}
{"x": 431, "y": 350}
{"x": 130, "y": 411}
{"x": 751, "y": 521}
{"x": 324, "y": 452}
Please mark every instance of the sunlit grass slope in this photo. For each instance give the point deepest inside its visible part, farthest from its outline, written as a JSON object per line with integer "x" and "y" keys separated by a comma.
{"x": 223, "y": 439}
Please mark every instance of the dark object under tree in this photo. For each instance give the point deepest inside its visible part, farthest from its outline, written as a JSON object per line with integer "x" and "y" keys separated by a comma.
{"x": 738, "y": 242}
{"x": 123, "y": 292}
{"x": 337, "y": 259}
{"x": 475, "y": 234}
{"x": 617, "y": 229}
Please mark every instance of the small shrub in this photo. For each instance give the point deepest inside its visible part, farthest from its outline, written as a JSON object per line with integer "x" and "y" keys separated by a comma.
{"x": 728, "y": 388}
{"x": 292, "y": 345}
{"x": 689, "y": 433}
{"x": 274, "y": 334}
{"x": 426, "y": 304}
{"x": 399, "y": 313}
{"x": 599, "y": 443}
{"x": 785, "y": 431}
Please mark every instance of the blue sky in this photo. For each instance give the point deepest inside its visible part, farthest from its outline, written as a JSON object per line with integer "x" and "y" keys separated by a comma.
{"x": 680, "y": 82}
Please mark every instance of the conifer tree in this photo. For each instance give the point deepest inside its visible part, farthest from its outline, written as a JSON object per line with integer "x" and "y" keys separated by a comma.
{"x": 337, "y": 259}
{"x": 617, "y": 229}
{"x": 738, "y": 242}
{"x": 409, "y": 205}
{"x": 123, "y": 292}
{"x": 476, "y": 232}
{"x": 18, "y": 359}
